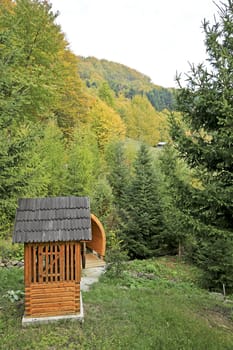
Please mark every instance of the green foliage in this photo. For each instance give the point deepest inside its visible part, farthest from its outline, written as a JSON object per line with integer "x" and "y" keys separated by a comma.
{"x": 206, "y": 144}
{"x": 30, "y": 42}
{"x": 9, "y": 251}
{"x": 119, "y": 171}
{"x": 162, "y": 99}
{"x": 119, "y": 77}
{"x": 143, "y": 122}
{"x": 106, "y": 94}
{"x": 106, "y": 124}
{"x": 116, "y": 256}
{"x": 52, "y": 153}
{"x": 141, "y": 104}
{"x": 102, "y": 203}
{"x": 21, "y": 172}
{"x": 82, "y": 164}
{"x": 177, "y": 190}
{"x": 143, "y": 221}
{"x": 14, "y": 295}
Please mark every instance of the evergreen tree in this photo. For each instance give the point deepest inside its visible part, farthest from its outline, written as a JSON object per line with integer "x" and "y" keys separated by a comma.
{"x": 143, "y": 224}
{"x": 177, "y": 182}
{"x": 118, "y": 175}
{"x": 21, "y": 171}
{"x": 206, "y": 144}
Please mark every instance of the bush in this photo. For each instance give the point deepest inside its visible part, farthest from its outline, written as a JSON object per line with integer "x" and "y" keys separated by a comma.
{"x": 9, "y": 251}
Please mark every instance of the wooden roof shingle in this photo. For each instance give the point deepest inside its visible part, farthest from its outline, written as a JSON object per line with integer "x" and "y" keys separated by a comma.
{"x": 52, "y": 219}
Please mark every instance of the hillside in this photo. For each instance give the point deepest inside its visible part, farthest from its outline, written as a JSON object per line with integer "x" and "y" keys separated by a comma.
{"x": 124, "y": 80}
{"x": 142, "y": 106}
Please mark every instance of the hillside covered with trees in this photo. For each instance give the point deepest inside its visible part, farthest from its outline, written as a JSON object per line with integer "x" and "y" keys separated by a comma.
{"x": 82, "y": 126}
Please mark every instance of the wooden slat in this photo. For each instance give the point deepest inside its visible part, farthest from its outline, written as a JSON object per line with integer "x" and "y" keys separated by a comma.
{"x": 67, "y": 262}
{"x": 52, "y": 299}
{"x": 77, "y": 262}
{"x": 55, "y": 263}
{"x": 62, "y": 262}
{"x": 40, "y": 263}
{"x": 53, "y": 304}
{"x": 34, "y": 264}
{"x": 53, "y": 313}
{"x": 71, "y": 261}
{"x": 56, "y": 292}
{"x": 46, "y": 270}
{"x": 52, "y": 285}
{"x": 55, "y": 299}
{"x": 27, "y": 264}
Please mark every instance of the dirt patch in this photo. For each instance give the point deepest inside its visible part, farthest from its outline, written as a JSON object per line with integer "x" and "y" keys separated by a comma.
{"x": 219, "y": 317}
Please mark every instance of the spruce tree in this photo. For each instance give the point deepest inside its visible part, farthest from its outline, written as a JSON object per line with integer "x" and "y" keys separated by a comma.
{"x": 176, "y": 193}
{"x": 119, "y": 172}
{"x": 144, "y": 218}
{"x": 205, "y": 140}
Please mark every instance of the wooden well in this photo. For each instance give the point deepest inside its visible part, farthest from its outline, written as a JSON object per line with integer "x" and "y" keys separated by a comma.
{"x": 52, "y": 230}
{"x": 52, "y": 279}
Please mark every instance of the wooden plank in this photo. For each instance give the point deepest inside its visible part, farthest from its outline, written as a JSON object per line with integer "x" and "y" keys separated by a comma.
{"x": 37, "y": 303}
{"x": 46, "y": 310}
{"x": 46, "y": 268}
{"x": 66, "y": 311}
{"x": 40, "y": 263}
{"x": 52, "y": 285}
{"x": 53, "y": 313}
{"x": 77, "y": 262}
{"x": 62, "y": 263}
{"x": 26, "y": 266}
{"x": 56, "y": 304}
{"x": 39, "y": 300}
{"x": 34, "y": 279}
{"x": 67, "y": 262}
{"x": 52, "y": 291}
{"x": 55, "y": 263}
{"x": 54, "y": 296}
{"x": 71, "y": 261}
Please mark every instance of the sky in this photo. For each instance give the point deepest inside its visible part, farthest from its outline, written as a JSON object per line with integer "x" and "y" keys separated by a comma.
{"x": 156, "y": 37}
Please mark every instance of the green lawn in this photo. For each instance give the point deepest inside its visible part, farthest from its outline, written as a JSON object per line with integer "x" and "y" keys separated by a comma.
{"x": 156, "y": 304}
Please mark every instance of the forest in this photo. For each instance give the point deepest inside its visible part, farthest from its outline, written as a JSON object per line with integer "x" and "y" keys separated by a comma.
{"x": 78, "y": 126}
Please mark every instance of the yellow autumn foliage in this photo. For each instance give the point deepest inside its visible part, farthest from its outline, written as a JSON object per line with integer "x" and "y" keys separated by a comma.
{"x": 106, "y": 123}
{"x": 142, "y": 121}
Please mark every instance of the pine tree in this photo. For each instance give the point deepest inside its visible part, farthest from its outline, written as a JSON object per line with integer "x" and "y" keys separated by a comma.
{"x": 177, "y": 190}
{"x": 206, "y": 143}
{"x": 21, "y": 171}
{"x": 118, "y": 175}
{"x": 144, "y": 218}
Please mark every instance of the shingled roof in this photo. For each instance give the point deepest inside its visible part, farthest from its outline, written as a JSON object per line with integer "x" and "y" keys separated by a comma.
{"x": 52, "y": 219}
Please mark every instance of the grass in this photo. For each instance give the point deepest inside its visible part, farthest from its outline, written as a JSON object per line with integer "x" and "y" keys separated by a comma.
{"x": 156, "y": 304}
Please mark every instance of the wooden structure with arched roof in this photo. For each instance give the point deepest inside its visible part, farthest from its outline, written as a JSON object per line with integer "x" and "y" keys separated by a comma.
{"x": 54, "y": 231}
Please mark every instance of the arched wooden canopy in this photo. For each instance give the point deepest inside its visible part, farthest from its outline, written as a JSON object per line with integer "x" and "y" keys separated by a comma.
{"x": 98, "y": 242}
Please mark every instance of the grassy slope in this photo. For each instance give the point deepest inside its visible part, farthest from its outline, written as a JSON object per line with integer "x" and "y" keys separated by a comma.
{"x": 156, "y": 304}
